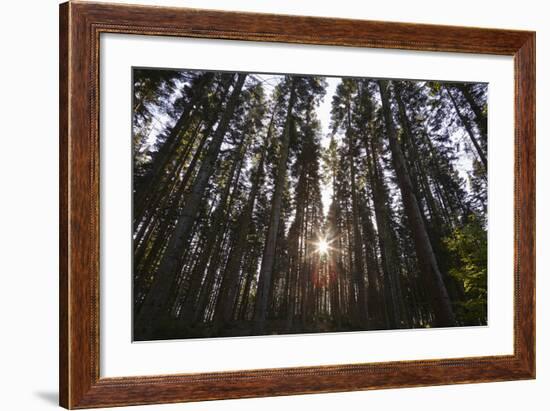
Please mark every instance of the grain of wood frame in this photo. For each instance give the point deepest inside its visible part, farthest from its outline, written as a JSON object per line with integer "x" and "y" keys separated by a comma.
{"x": 82, "y": 24}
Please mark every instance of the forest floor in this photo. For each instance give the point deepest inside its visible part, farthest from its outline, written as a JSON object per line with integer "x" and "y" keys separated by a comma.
{"x": 177, "y": 330}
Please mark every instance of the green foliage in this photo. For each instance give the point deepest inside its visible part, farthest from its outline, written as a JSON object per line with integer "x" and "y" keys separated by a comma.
{"x": 468, "y": 245}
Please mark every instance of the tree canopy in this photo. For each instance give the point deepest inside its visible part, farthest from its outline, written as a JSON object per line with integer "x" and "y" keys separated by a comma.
{"x": 275, "y": 204}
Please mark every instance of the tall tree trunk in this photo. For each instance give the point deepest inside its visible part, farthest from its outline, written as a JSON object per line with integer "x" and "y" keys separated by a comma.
{"x": 374, "y": 302}
{"x": 358, "y": 268}
{"x": 249, "y": 272}
{"x": 481, "y": 118}
{"x": 466, "y": 123}
{"x": 415, "y": 160}
{"x": 154, "y": 305}
{"x": 443, "y": 311}
{"x": 386, "y": 238}
{"x": 216, "y": 229}
{"x": 177, "y": 192}
{"x": 155, "y": 203}
{"x": 168, "y": 148}
{"x": 304, "y": 261}
{"x": 268, "y": 260}
{"x": 228, "y": 295}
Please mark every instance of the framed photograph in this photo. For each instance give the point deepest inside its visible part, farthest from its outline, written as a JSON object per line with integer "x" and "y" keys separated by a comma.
{"x": 258, "y": 205}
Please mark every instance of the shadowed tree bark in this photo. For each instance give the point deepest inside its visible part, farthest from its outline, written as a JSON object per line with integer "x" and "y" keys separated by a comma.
{"x": 268, "y": 260}
{"x": 154, "y": 306}
{"x": 168, "y": 148}
{"x": 481, "y": 118}
{"x": 467, "y": 126}
{"x": 231, "y": 279}
{"x": 443, "y": 311}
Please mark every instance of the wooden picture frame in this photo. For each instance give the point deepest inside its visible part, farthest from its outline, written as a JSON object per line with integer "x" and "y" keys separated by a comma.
{"x": 80, "y": 27}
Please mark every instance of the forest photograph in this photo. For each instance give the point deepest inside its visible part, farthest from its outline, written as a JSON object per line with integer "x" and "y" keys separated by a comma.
{"x": 269, "y": 204}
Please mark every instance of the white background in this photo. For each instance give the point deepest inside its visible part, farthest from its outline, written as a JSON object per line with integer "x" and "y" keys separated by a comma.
{"x": 119, "y": 357}
{"x": 28, "y": 206}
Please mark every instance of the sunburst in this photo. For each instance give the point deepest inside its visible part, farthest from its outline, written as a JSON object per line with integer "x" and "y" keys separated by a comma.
{"x": 323, "y": 246}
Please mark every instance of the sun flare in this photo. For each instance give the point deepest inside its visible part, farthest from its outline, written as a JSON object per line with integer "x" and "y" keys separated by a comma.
{"x": 322, "y": 246}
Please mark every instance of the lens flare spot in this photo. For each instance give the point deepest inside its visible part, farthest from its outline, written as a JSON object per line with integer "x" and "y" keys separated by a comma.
{"x": 322, "y": 246}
